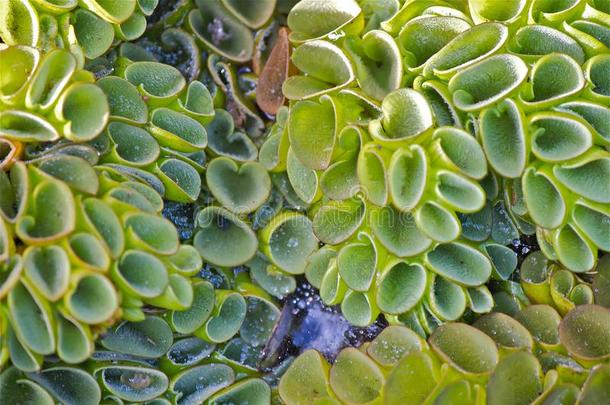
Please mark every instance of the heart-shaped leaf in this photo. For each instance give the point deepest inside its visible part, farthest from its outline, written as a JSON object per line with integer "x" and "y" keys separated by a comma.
{"x": 124, "y": 100}
{"x": 304, "y": 181}
{"x": 181, "y": 180}
{"x": 224, "y": 141}
{"x": 13, "y": 387}
{"x": 596, "y": 115}
{"x": 20, "y": 63}
{"x": 240, "y": 189}
{"x": 371, "y": 170}
{"x": 318, "y": 264}
{"x": 359, "y": 308}
{"x": 189, "y": 351}
{"x": 178, "y": 295}
{"x": 151, "y": 233}
{"x": 556, "y": 137}
{"x": 288, "y": 240}
{"x": 437, "y": 222}
{"x": 74, "y": 343}
{"x": 140, "y": 274}
{"x": 230, "y": 310}
{"x": 132, "y": 145}
{"x": 594, "y": 223}
{"x": 224, "y": 239}
{"x": 254, "y": 16}
{"x": 260, "y": 320}
{"x": 72, "y": 170}
{"x": 461, "y": 151}
{"x": 99, "y": 219}
{"x": 357, "y": 263}
{"x": 573, "y": 249}
{"x": 458, "y": 192}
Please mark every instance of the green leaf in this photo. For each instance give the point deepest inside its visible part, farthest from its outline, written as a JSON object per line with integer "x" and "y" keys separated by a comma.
{"x": 459, "y": 263}
{"x": 150, "y": 338}
{"x": 401, "y": 287}
{"x": 224, "y": 239}
{"x": 465, "y": 348}
{"x": 311, "y": 19}
{"x": 228, "y": 37}
{"x": 519, "y": 366}
{"x": 487, "y": 81}
{"x": 355, "y": 378}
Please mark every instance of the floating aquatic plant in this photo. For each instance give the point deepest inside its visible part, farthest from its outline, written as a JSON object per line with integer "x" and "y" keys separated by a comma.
{"x": 440, "y": 166}
{"x": 81, "y": 247}
{"x": 143, "y": 361}
{"x": 533, "y": 357}
{"x": 86, "y": 28}
{"x": 45, "y": 97}
{"x": 419, "y": 159}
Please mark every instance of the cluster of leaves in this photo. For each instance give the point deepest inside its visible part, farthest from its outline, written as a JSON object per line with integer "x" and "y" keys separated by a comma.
{"x": 423, "y": 141}
{"x": 391, "y": 151}
{"x": 88, "y": 28}
{"x": 535, "y": 357}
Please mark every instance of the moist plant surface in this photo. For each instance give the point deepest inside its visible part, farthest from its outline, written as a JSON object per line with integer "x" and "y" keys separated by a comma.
{"x": 262, "y": 202}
